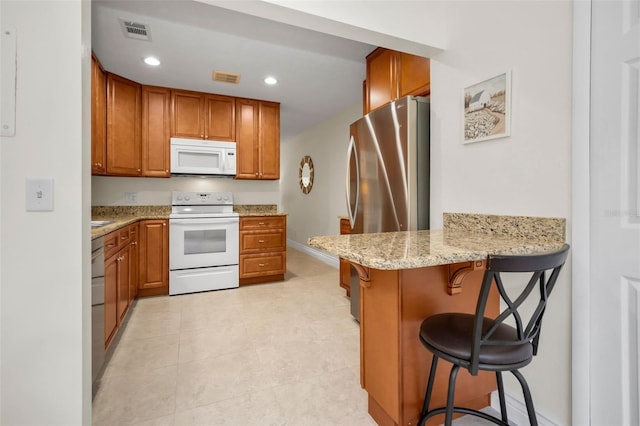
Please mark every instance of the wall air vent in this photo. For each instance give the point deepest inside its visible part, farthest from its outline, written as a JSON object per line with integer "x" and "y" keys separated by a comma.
{"x": 135, "y": 30}
{"x": 226, "y": 77}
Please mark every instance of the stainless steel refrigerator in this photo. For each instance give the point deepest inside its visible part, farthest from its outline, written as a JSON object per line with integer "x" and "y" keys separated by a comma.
{"x": 387, "y": 181}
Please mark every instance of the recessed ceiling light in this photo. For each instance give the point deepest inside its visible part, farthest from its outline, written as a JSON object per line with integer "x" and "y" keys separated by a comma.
{"x": 150, "y": 60}
{"x": 270, "y": 80}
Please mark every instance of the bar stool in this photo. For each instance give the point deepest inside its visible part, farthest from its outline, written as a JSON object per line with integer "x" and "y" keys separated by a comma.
{"x": 475, "y": 342}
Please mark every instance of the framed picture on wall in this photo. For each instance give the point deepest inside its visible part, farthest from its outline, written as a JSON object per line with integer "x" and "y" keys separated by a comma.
{"x": 487, "y": 109}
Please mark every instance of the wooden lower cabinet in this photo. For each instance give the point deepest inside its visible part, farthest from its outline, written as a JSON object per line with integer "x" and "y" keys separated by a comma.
{"x": 110, "y": 299}
{"x": 134, "y": 253}
{"x": 124, "y": 278}
{"x": 345, "y": 266}
{"x": 394, "y": 365}
{"x": 263, "y": 249}
{"x": 154, "y": 257}
{"x": 117, "y": 281}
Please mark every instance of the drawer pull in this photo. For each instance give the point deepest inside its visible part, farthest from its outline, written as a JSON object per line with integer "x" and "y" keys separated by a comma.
{"x": 261, "y": 223}
{"x": 124, "y": 237}
{"x": 111, "y": 245}
{"x": 262, "y": 264}
{"x": 261, "y": 241}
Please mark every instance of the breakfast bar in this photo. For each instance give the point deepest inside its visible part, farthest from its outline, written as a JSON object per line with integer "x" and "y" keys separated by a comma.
{"x": 408, "y": 276}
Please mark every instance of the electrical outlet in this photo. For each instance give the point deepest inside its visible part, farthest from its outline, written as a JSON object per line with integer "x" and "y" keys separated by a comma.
{"x": 131, "y": 197}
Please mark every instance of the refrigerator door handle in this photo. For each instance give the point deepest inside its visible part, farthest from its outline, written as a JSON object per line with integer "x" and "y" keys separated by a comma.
{"x": 351, "y": 153}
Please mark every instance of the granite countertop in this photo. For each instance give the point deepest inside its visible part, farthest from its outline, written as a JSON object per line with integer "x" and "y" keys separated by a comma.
{"x": 126, "y": 215}
{"x": 465, "y": 237}
{"x": 257, "y": 210}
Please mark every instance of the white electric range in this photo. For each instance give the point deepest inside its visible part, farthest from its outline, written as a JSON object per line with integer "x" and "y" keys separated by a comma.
{"x": 203, "y": 242}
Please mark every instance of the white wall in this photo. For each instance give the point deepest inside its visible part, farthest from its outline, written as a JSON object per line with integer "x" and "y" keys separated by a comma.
{"x": 110, "y": 191}
{"x": 316, "y": 213}
{"x": 46, "y": 374}
{"x": 528, "y": 173}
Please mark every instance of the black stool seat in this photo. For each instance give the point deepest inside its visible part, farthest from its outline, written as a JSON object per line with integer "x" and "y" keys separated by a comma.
{"x": 476, "y": 342}
{"x": 451, "y": 335}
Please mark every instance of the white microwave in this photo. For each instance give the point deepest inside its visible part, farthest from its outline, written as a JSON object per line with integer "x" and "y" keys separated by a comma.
{"x": 200, "y": 157}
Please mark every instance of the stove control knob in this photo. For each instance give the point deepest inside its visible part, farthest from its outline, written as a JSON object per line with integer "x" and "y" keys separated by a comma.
{"x": 226, "y": 198}
{"x": 186, "y": 198}
{"x": 219, "y": 198}
{"x": 179, "y": 198}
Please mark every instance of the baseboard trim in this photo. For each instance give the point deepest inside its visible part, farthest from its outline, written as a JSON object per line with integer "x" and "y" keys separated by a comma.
{"x": 517, "y": 410}
{"x": 315, "y": 253}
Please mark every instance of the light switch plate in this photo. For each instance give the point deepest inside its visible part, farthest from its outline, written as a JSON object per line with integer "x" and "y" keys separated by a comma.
{"x": 39, "y": 195}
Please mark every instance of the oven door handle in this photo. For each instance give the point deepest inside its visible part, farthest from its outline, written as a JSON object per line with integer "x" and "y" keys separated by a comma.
{"x": 201, "y": 221}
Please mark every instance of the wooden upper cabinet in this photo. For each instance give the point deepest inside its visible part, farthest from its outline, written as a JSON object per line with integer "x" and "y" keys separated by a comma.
{"x": 247, "y": 121}
{"x": 123, "y": 126}
{"x": 414, "y": 75}
{"x": 392, "y": 75}
{"x": 381, "y": 78}
{"x": 198, "y": 115}
{"x": 220, "y": 118}
{"x": 187, "y": 114}
{"x": 98, "y": 118}
{"x": 269, "y": 146}
{"x": 156, "y": 160}
{"x": 257, "y": 139}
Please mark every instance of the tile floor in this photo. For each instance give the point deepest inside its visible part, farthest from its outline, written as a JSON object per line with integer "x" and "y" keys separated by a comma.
{"x": 274, "y": 354}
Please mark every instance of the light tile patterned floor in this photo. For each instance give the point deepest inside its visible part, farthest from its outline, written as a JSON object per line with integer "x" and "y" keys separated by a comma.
{"x": 274, "y": 354}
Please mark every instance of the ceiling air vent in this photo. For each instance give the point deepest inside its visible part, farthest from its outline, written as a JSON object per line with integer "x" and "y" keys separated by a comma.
{"x": 226, "y": 77}
{"x": 135, "y": 30}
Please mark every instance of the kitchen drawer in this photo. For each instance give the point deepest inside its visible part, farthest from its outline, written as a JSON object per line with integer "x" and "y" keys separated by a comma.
{"x": 261, "y": 241}
{"x": 257, "y": 265}
{"x": 262, "y": 222}
{"x": 115, "y": 240}
{"x": 124, "y": 237}
{"x": 111, "y": 243}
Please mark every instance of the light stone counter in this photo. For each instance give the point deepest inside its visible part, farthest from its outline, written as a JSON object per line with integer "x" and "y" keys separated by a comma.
{"x": 257, "y": 210}
{"x": 406, "y": 277}
{"x": 125, "y": 215}
{"x": 466, "y": 237}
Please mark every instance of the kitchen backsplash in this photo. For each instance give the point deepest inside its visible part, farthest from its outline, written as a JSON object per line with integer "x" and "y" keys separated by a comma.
{"x": 122, "y": 191}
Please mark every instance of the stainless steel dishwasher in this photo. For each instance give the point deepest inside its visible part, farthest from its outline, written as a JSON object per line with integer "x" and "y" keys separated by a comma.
{"x": 97, "y": 307}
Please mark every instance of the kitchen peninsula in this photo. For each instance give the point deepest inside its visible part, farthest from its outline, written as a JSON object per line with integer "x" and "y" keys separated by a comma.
{"x": 408, "y": 276}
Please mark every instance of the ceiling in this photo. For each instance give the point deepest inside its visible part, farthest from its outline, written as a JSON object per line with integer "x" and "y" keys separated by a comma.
{"x": 318, "y": 74}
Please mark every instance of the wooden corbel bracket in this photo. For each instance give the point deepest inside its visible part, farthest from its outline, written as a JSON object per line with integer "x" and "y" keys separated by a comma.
{"x": 458, "y": 271}
{"x": 363, "y": 273}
